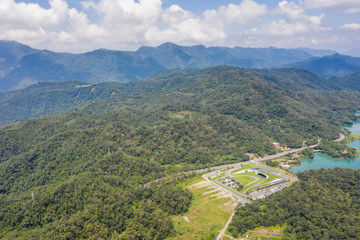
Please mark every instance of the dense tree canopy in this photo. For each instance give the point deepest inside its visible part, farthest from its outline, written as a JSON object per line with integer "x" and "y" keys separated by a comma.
{"x": 324, "y": 204}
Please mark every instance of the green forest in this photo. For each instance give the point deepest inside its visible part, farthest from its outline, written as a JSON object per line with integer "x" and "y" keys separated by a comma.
{"x": 323, "y": 204}
{"x": 81, "y": 173}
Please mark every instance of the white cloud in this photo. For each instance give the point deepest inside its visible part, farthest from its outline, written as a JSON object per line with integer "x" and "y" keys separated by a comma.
{"x": 296, "y": 12}
{"x": 350, "y": 6}
{"x": 32, "y": 16}
{"x": 284, "y": 28}
{"x": 128, "y": 24}
{"x": 182, "y": 26}
{"x": 34, "y": 25}
{"x": 351, "y": 26}
{"x": 294, "y": 21}
{"x": 247, "y": 11}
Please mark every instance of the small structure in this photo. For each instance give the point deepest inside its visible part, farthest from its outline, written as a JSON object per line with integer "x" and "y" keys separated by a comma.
{"x": 276, "y": 144}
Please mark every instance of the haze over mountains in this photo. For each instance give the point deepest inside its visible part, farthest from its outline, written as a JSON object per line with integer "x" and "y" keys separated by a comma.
{"x": 330, "y": 66}
{"x": 21, "y": 66}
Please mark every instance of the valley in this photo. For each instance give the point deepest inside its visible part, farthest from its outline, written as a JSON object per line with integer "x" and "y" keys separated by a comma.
{"x": 66, "y": 168}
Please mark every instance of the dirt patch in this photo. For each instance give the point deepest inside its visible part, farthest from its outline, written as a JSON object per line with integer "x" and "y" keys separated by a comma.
{"x": 211, "y": 191}
{"x": 200, "y": 184}
{"x": 221, "y": 194}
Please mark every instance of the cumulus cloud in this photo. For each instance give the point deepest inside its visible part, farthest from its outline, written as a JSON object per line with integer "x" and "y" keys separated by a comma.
{"x": 30, "y": 23}
{"x": 294, "y": 22}
{"x": 351, "y": 26}
{"x": 350, "y": 6}
{"x": 297, "y": 13}
{"x": 284, "y": 28}
{"x": 32, "y": 16}
{"x": 128, "y": 24}
{"x": 247, "y": 11}
{"x": 120, "y": 24}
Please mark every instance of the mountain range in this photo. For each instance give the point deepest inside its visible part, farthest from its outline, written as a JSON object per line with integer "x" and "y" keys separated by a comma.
{"x": 21, "y": 65}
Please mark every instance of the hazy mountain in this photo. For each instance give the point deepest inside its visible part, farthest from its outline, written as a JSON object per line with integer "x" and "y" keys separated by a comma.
{"x": 171, "y": 55}
{"x": 21, "y": 65}
{"x": 349, "y": 82}
{"x": 328, "y": 66}
{"x": 319, "y": 52}
{"x": 11, "y": 53}
{"x": 353, "y": 52}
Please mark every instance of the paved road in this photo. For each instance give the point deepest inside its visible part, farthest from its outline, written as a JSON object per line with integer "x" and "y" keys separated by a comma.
{"x": 342, "y": 137}
{"x": 270, "y": 157}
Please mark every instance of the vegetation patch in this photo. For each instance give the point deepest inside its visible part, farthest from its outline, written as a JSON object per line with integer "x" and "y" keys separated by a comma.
{"x": 337, "y": 149}
{"x": 322, "y": 205}
{"x": 208, "y": 212}
{"x": 352, "y": 138}
{"x": 244, "y": 180}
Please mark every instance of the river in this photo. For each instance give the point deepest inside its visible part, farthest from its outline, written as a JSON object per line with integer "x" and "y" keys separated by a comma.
{"x": 322, "y": 160}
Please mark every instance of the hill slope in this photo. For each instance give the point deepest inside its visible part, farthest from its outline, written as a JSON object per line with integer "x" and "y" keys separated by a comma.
{"x": 159, "y": 89}
{"x": 349, "y": 82}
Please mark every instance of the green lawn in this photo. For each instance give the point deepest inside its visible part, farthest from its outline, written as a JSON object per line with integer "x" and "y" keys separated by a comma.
{"x": 353, "y": 138}
{"x": 244, "y": 180}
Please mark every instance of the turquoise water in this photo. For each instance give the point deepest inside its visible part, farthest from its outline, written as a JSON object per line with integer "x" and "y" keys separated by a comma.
{"x": 355, "y": 128}
{"x": 322, "y": 160}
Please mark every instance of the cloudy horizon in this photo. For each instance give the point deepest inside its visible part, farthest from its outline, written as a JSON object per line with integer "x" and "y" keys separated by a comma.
{"x": 80, "y": 26}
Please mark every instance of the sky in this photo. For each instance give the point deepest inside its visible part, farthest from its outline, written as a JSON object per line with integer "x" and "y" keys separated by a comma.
{"x": 84, "y": 25}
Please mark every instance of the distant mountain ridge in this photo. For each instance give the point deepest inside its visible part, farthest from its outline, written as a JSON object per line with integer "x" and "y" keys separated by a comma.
{"x": 21, "y": 65}
{"x": 330, "y": 66}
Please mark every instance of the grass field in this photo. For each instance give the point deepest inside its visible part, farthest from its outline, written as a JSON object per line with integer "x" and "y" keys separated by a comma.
{"x": 244, "y": 180}
{"x": 208, "y": 213}
{"x": 353, "y": 138}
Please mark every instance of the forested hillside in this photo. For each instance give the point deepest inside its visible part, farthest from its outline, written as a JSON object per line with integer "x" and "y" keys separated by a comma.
{"x": 80, "y": 174}
{"x": 324, "y": 204}
{"x": 165, "y": 87}
{"x": 349, "y": 82}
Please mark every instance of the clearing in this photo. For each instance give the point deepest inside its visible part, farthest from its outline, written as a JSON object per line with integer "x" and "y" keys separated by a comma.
{"x": 208, "y": 212}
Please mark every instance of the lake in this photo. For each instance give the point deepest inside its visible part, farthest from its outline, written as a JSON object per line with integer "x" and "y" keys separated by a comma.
{"x": 322, "y": 160}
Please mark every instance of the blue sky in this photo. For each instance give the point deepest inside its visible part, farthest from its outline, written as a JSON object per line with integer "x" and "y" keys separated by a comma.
{"x": 84, "y": 25}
